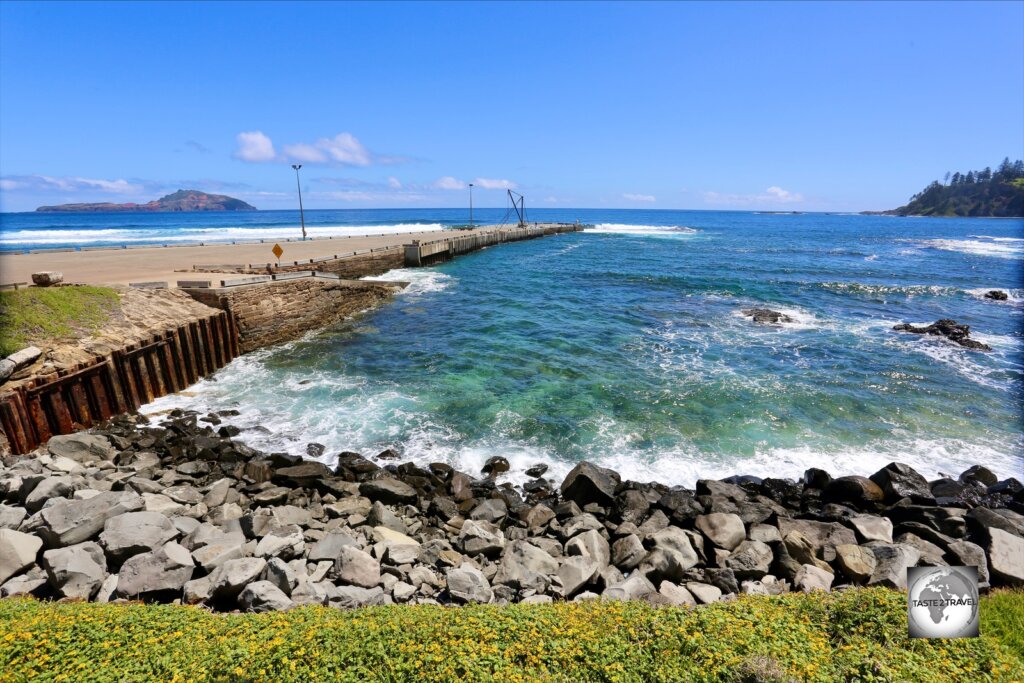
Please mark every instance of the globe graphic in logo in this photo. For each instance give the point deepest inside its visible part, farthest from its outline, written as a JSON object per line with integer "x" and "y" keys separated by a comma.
{"x": 943, "y": 602}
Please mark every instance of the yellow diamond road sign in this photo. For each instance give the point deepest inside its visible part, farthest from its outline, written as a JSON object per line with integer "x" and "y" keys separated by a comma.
{"x": 277, "y": 250}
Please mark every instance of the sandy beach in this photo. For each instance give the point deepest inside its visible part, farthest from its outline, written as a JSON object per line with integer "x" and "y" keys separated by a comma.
{"x": 147, "y": 264}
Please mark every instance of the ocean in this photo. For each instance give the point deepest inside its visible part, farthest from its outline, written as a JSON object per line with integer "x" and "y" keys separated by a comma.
{"x": 624, "y": 344}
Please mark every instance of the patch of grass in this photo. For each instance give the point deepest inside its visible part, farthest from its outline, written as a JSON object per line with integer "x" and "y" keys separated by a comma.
{"x": 857, "y": 635}
{"x": 1002, "y": 617}
{"x": 41, "y": 315}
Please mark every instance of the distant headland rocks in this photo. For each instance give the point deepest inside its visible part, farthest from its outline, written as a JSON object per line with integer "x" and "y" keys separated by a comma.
{"x": 182, "y": 200}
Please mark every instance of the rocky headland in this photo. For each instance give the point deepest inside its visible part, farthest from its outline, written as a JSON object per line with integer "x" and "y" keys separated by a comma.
{"x": 182, "y": 200}
{"x": 182, "y": 512}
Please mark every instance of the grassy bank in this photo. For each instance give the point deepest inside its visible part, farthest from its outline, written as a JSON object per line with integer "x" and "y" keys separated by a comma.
{"x": 45, "y": 314}
{"x": 855, "y": 635}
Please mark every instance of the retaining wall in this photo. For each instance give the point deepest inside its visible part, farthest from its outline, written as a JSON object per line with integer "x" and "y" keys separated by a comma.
{"x": 280, "y": 311}
{"x": 122, "y": 381}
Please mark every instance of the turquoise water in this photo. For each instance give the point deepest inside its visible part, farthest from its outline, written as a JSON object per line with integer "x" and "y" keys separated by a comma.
{"x": 624, "y": 345}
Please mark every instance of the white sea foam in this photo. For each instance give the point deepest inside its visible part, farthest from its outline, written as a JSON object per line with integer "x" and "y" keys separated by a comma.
{"x": 972, "y": 365}
{"x": 625, "y": 229}
{"x": 1013, "y": 296}
{"x": 421, "y": 280}
{"x": 102, "y": 236}
{"x": 1008, "y": 248}
{"x": 801, "y": 319}
{"x": 997, "y": 239}
{"x": 422, "y": 441}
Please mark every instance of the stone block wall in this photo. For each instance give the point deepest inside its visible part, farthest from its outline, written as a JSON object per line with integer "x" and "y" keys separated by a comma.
{"x": 282, "y": 311}
{"x": 350, "y": 267}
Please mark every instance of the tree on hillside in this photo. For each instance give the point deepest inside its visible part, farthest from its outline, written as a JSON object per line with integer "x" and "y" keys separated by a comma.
{"x": 975, "y": 193}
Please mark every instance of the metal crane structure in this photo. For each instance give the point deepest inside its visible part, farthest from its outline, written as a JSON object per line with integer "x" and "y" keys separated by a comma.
{"x": 517, "y": 204}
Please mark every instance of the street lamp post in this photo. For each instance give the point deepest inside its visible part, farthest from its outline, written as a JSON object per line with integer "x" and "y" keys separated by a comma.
{"x": 302, "y": 214}
{"x": 471, "y": 205}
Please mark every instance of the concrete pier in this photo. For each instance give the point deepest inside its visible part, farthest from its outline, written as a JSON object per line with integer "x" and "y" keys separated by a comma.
{"x": 422, "y": 253}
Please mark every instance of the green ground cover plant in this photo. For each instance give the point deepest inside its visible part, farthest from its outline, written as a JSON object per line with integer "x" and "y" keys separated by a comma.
{"x": 856, "y": 635}
{"x": 38, "y": 314}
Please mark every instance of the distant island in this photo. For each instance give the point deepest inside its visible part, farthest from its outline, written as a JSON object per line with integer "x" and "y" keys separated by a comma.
{"x": 182, "y": 200}
{"x": 985, "y": 193}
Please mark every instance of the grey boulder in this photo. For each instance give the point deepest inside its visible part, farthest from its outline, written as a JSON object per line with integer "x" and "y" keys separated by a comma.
{"x": 18, "y": 552}
{"x": 468, "y": 584}
{"x": 69, "y": 522}
{"x": 353, "y": 566}
{"x": 525, "y": 566}
{"x": 263, "y": 596}
{"x": 76, "y": 571}
{"x": 724, "y": 529}
{"x": 228, "y": 580}
{"x": 1006, "y": 556}
{"x": 388, "y": 491}
{"x": 750, "y": 560}
{"x": 135, "y": 532}
{"x": 166, "y": 569}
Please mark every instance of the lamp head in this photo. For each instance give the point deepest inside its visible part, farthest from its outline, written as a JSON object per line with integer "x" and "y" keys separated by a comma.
{"x": 296, "y": 166}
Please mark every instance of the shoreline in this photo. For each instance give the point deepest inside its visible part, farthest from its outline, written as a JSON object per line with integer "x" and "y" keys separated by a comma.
{"x": 181, "y": 511}
{"x": 135, "y": 264}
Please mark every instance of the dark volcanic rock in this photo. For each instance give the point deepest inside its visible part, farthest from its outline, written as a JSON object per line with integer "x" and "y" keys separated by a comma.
{"x": 588, "y": 483}
{"x": 898, "y": 481}
{"x": 860, "y": 491}
{"x": 996, "y": 295}
{"x": 495, "y": 465}
{"x": 180, "y": 513}
{"x": 388, "y": 491}
{"x": 950, "y": 329}
{"x": 766, "y": 315}
{"x": 980, "y": 474}
{"x": 537, "y": 470}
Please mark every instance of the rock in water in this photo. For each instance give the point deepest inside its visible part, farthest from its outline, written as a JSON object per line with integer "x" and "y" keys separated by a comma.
{"x": 996, "y": 295}
{"x": 950, "y": 329}
{"x": 766, "y": 315}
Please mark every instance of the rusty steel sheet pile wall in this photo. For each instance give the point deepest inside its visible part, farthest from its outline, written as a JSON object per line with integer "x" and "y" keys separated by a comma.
{"x": 120, "y": 382}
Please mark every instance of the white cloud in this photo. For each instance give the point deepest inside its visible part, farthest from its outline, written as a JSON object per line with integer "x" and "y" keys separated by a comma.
{"x": 773, "y": 195}
{"x": 639, "y": 197}
{"x": 364, "y": 196}
{"x": 495, "y": 184}
{"x": 394, "y": 183}
{"x": 254, "y": 146}
{"x": 345, "y": 149}
{"x": 783, "y": 195}
{"x": 449, "y": 183}
{"x": 70, "y": 184}
{"x": 307, "y": 154}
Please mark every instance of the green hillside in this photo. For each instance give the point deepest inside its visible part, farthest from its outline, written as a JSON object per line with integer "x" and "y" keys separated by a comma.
{"x": 998, "y": 193}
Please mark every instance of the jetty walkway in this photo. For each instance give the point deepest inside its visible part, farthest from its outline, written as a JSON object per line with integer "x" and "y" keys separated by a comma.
{"x": 170, "y": 263}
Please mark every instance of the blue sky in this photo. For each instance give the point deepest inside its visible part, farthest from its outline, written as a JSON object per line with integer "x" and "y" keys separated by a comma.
{"x": 789, "y": 106}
